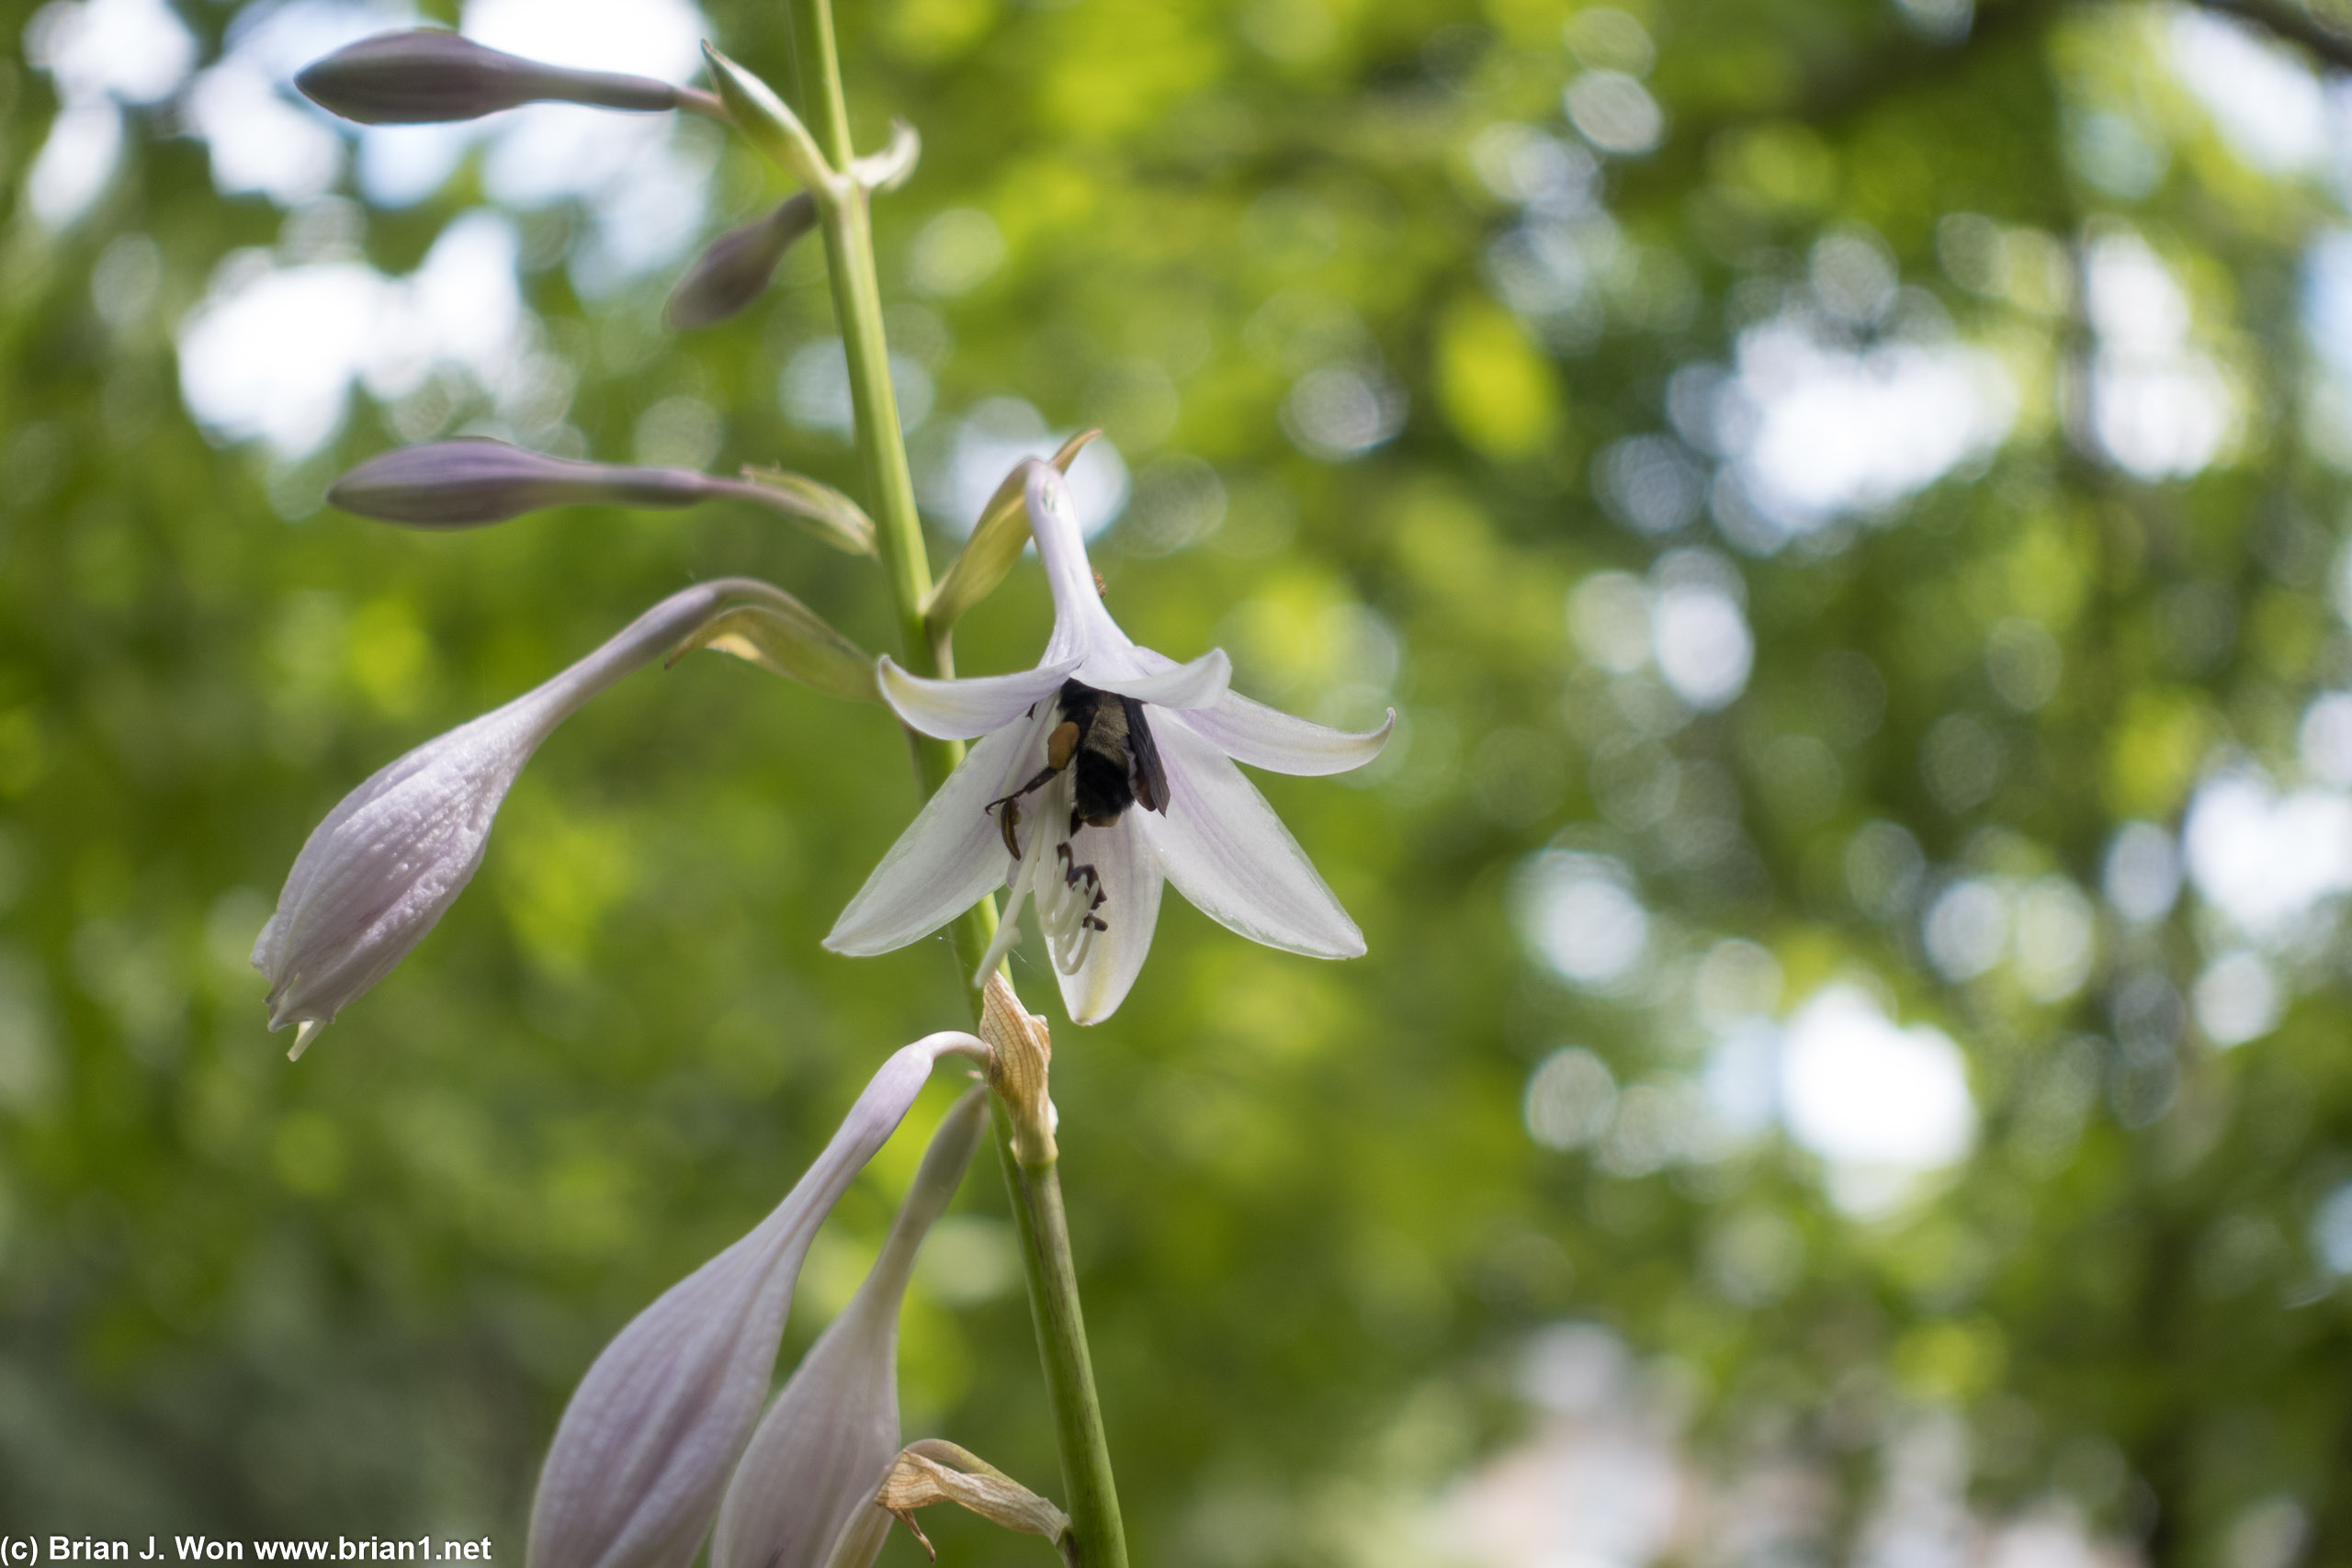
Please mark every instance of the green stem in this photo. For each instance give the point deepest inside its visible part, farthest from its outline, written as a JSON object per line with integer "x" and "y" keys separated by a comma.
{"x": 1061, "y": 1347}
{"x": 1037, "y": 1190}
{"x": 857, "y": 300}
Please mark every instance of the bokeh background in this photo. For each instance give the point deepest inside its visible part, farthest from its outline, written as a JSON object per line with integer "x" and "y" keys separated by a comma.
{"x": 1847, "y": 498}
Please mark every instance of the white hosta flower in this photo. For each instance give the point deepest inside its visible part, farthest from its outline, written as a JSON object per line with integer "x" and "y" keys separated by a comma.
{"x": 378, "y": 872}
{"x": 826, "y": 1444}
{"x": 655, "y": 1428}
{"x": 1098, "y": 775}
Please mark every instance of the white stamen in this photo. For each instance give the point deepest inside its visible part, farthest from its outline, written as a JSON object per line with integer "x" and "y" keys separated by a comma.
{"x": 1024, "y": 876}
{"x": 1066, "y": 912}
{"x": 1065, "y": 896}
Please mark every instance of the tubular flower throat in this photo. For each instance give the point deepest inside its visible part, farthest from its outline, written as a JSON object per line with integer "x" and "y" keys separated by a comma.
{"x": 1097, "y": 776}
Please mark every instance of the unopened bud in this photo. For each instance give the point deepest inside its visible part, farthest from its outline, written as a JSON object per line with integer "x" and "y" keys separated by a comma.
{"x": 427, "y": 75}
{"x": 735, "y": 268}
{"x": 803, "y": 1495}
{"x": 646, "y": 1448}
{"x": 378, "y": 874}
{"x": 466, "y": 483}
{"x": 470, "y": 483}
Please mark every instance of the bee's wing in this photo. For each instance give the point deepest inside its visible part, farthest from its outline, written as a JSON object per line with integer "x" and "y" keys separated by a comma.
{"x": 1146, "y": 777}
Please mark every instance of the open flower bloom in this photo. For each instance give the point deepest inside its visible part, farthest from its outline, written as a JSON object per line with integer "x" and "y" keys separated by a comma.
{"x": 809, "y": 1479}
{"x": 1098, "y": 775}
{"x": 656, "y": 1427}
{"x": 380, "y": 871}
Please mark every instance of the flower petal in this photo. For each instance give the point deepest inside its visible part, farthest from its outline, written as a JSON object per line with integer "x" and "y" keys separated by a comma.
{"x": 1082, "y": 627}
{"x": 1196, "y": 685}
{"x": 949, "y": 856}
{"x": 829, "y": 1438}
{"x": 961, "y": 709}
{"x": 1268, "y": 738}
{"x": 387, "y": 862}
{"x": 1131, "y": 878}
{"x": 655, "y": 1428}
{"x": 1225, "y": 850}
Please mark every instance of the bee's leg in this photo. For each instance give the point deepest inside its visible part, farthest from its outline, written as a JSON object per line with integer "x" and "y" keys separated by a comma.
{"x": 1011, "y": 817}
{"x": 1074, "y": 875}
{"x": 1060, "y": 746}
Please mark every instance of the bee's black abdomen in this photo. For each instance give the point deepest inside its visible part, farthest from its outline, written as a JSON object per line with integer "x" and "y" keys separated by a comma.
{"x": 1102, "y": 792}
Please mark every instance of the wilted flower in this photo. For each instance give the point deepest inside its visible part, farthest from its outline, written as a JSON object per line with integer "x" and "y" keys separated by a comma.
{"x": 428, "y": 75}
{"x": 655, "y": 1428}
{"x": 378, "y": 872}
{"x": 825, "y": 1445}
{"x": 1118, "y": 763}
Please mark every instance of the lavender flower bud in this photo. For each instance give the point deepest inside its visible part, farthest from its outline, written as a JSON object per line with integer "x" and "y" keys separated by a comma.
{"x": 466, "y": 483}
{"x": 826, "y": 1443}
{"x": 735, "y": 268}
{"x": 652, "y": 1434}
{"x": 378, "y": 874}
{"x": 427, "y": 75}
{"x": 470, "y": 483}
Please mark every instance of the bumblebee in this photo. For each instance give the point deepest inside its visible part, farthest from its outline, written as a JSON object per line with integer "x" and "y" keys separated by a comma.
{"x": 1106, "y": 738}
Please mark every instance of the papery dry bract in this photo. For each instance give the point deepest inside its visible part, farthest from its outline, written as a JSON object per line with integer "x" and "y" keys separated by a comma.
{"x": 825, "y": 1445}
{"x": 654, "y": 1430}
{"x": 1217, "y": 839}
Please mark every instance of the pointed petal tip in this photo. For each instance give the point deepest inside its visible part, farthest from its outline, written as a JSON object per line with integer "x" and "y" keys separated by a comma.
{"x": 861, "y": 941}
{"x": 1283, "y": 743}
{"x": 965, "y": 708}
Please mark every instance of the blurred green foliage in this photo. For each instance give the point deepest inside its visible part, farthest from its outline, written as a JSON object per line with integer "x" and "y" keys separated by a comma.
{"x": 245, "y": 1298}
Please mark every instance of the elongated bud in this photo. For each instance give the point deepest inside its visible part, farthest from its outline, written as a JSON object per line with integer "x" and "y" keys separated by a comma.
{"x": 785, "y": 637}
{"x": 390, "y": 859}
{"x": 809, "y": 1478}
{"x": 935, "y": 1470}
{"x": 427, "y": 75}
{"x": 735, "y": 269}
{"x": 654, "y": 1429}
{"x": 470, "y": 483}
{"x": 996, "y": 541}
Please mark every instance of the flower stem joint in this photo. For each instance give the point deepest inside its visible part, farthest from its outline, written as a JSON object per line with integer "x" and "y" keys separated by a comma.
{"x": 1022, "y": 1053}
